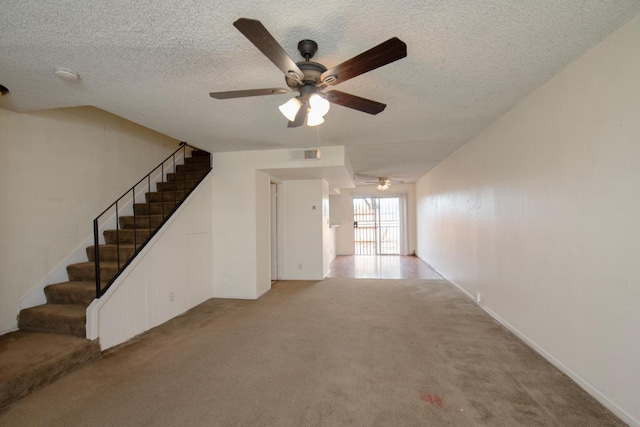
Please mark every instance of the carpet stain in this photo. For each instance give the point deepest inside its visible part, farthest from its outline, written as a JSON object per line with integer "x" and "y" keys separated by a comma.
{"x": 432, "y": 399}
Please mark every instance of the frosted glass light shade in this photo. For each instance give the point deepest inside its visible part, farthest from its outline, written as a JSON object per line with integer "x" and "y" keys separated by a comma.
{"x": 319, "y": 105}
{"x": 384, "y": 184}
{"x": 314, "y": 119}
{"x": 290, "y": 108}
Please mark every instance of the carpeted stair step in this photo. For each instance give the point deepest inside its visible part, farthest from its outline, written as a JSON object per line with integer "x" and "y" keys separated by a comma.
{"x": 67, "y": 319}
{"x": 80, "y": 293}
{"x": 31, "y": 360}
{"x": 126, "y": 236}
{"x": 190, "y": 164}
{"x": 187, "y": 175}
{"x": 190, "y": 167}
{"x": 154, "y": 208}
{"x": 167, "y": 196}
{"x": 197, "y": 152}
{"x": 198, "y": 159}
{"x": 86, "y": 271}
{"x": 130, "y": 222}
{"x": 110, "y": 252}
{"x": 176, "y": 185}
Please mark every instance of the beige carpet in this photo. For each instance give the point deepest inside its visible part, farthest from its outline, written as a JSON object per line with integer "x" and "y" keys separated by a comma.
{"x": 340, "y": 352}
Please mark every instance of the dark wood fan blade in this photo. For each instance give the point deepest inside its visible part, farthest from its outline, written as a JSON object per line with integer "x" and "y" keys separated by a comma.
{"x": 263, "y": 40}
{"x": 383, "y": 54}
{"x": 300, "y": 116}
{"x": 355, "y": 102}
{"x": 250, "y": 92}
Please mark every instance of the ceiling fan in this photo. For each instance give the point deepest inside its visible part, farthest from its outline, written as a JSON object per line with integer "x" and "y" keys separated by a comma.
{"x": 310, "y": 78}
{"x": 383, "y": 183}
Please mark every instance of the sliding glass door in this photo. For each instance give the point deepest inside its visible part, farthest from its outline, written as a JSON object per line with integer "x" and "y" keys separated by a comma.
{"x": 376, "y": 225}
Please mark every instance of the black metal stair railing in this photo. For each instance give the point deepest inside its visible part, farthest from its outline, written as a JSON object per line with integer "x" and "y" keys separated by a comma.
{"x": 128, "y": 199}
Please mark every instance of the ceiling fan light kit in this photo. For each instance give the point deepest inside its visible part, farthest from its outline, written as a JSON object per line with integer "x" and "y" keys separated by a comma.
{"x": 314, "y": 119}
{"x": 318, "y": 108}
{"x": 383, "y": 184}
{"x": 290, "y": 108}
{"x": 319, "y": 105}
{"x": 310, "y": 78}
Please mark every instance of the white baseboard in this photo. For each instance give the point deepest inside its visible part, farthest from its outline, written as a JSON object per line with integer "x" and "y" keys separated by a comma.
{"x": 232, "y": 296}
{"x": 263, "y": 293}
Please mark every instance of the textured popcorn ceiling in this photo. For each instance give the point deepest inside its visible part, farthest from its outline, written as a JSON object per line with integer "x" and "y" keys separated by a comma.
{"x": 154, "y": 62}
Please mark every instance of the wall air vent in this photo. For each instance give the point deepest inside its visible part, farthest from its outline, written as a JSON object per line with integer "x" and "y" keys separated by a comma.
{"x": 305, "y": 154}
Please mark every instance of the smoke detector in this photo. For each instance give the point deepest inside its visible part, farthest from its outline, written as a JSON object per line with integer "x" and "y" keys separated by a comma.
{"x": 67, "y": 75}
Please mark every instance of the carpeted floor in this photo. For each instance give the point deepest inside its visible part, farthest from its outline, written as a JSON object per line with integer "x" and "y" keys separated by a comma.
{"x": 339, "y": 352}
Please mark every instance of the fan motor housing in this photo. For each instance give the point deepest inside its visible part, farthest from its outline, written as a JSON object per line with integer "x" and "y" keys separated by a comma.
{"x": 312, "y": 72}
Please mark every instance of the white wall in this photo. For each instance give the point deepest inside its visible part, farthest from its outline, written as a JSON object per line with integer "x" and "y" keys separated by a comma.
{"x": 58, "y": 170}
{"x": 171, "y": 275}
{"x": 303, "y": 237}
{"x": 241, "y": 211}
{"x": 328, "y": 233}
{"x": 263, "y": 233}
{"x": 541, "y": 215}
{"x": 342, "y": 213}
{"x": 234, "y": 214}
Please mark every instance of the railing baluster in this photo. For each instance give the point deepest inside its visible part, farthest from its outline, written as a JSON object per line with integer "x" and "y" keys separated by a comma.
{"x": 184, "y": 162}
{"x": 175, "y": 183}
{"x": 96, "y": 254}
{"x": 133, "y": 193}
{"x": 117, "y": 235}
{"x": 163, "y": 188}
{"x": 150, "y": 201}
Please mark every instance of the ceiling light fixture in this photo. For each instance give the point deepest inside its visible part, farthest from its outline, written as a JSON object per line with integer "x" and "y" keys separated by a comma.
{"x": 290, "y": 108}
{"x": 383, "y": 184}
{"x": 314, "y": 119}
{"x": 317, "y": 107}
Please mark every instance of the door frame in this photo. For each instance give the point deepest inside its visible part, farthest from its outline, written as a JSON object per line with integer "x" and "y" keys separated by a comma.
{"x": 274, "y": 230}
{"x": 375, "y": 198}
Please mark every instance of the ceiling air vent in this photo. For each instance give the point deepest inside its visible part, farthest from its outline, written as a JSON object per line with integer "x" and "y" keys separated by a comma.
{"x": 305, "y": 154}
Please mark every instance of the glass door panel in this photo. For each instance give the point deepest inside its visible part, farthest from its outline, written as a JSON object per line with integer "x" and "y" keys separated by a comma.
{"x": 376, "y": 225}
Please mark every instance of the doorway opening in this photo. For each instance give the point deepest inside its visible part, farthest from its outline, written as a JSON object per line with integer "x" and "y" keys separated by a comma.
{"x": 376, "y": 225}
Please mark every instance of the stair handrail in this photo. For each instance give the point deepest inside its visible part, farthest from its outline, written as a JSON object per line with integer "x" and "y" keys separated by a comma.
{"x": 176, "y": 204}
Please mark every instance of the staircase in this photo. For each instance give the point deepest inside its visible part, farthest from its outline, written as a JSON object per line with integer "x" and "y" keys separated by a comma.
{"x": 52, "y": 337}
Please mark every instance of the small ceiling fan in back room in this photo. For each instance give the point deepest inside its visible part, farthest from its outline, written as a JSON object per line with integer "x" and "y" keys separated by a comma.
{"x": 310, "y": 78}
{"x": 383, "y": 183}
